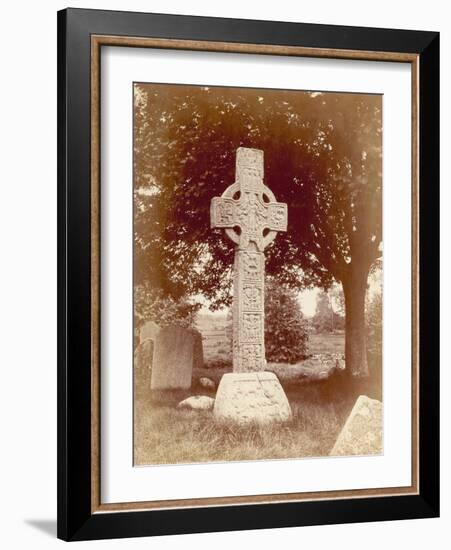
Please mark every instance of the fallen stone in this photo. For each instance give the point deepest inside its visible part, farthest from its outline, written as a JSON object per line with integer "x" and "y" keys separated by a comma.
{"x": 362, "y": 432}
{"x": 207, "y": 383}
{"x": 251, "y": 397}
{"x": 197, "y": 403}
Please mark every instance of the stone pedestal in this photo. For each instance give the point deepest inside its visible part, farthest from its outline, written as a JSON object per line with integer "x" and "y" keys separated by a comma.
{"x": 251, "y": 397}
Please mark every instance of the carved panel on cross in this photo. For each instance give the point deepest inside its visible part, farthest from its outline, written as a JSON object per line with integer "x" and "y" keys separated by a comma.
{"x": 252, "y": 298}
{"x": 251, "y": 357}
{"x": 249, "y": 166}
{"x": 277, "y": 217}
{"x": 251, "y": 330}
{"x": 223, "y": 212}
{"x": 252, "y": 265}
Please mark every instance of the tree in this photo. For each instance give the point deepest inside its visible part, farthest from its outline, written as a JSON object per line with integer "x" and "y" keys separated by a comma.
{"x": 322, "y": 157}
{"x": 325, "y": 318}
{"x": 151, "y": 304}
{"x": 286, "y": 336}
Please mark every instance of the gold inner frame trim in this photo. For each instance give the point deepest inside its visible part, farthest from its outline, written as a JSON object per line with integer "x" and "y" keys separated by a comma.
{"x": 97, "y": 41}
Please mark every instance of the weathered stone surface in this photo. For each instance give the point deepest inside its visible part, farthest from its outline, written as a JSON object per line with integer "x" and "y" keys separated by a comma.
{"x": 143, "y": 359}
{"x": 251, "y": 397}
{"x": 150, "y": 329}
{"x": 173, "y": 359}
{"x": 251, "y": 217}
{"x": 198, "y": 349}
{"x": 207, "y": 383}
{"x": 197, "y": 403}
{"x": 362, "y": 432}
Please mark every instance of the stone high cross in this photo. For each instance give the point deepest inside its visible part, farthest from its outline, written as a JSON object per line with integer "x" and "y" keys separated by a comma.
{"x": 251, "y": 217}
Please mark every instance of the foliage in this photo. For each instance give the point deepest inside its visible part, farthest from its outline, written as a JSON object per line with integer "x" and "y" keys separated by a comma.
{"x": 322, "y": 157}
{"x": 152, "y": 305}
{"x": 286, "y": 337}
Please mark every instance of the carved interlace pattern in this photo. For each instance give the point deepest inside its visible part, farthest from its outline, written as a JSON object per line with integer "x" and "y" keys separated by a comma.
{"x": 251, "y": 217}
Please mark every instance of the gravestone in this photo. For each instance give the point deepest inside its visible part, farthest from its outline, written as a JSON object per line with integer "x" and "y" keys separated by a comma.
{"x": 172, "y": 359}
{"x": 251, "y": 218}
{"x": 150, "y": 329}
{"x": 362, "y": 432}
{"x": 143, "y": 359}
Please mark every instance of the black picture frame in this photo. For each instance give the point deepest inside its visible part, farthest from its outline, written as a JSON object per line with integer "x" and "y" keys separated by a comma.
{"x": 76, "y": 521}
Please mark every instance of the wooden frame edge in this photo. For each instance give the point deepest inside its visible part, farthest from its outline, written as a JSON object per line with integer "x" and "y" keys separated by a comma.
{"x": 235, "y": 47}
{"x": 110, "y": 40}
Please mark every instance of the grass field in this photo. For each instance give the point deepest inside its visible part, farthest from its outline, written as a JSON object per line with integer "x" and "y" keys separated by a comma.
{"x": 326, "y": 343}
{"x": 165, "y": 435}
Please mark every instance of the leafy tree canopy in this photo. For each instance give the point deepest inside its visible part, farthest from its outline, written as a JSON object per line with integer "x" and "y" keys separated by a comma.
{"x": 322, "y": 157}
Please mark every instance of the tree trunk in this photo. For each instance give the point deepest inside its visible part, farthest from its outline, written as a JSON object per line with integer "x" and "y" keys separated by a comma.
{"x": 354, "y": 289}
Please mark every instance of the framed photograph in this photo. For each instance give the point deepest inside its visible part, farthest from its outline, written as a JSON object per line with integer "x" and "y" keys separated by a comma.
{"x": 248, "y": 274}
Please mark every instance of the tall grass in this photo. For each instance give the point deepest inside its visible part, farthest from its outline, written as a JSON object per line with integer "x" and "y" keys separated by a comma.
{"x": 166, "y": 435}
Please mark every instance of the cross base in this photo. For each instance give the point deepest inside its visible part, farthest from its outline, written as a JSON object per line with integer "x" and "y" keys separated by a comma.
{"x": 251, "y": 398}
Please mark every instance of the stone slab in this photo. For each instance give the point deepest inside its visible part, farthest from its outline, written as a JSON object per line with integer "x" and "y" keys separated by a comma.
{"x": 143, "y": 359}
{"x": 362, "y": 432}
{"x": 150, "y": 329}
{"x": 173, "y": 359}
{"x": 251, "y": 397}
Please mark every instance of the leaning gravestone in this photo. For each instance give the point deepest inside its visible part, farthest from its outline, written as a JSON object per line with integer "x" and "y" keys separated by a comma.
{"x": 251, "y": 217}
{"x": 362, "y": 432}
{"x": 172, "y": 359}
{"x": 143, "y": 359}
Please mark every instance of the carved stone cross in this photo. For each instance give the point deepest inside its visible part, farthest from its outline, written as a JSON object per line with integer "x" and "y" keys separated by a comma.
{"x": 251, "y": 217}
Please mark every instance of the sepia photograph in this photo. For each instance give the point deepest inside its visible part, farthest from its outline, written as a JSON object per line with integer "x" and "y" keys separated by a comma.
{"x": 248, "y": 268}
{"x": 257, "y": 274}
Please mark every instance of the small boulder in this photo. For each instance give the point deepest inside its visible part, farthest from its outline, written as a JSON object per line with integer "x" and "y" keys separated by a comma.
{"x": 197, "y": 403}
{"x": 207, "y": 383}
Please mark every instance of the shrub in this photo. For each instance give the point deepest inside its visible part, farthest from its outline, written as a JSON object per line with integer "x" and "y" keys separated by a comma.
{"x": 286, "y": 335}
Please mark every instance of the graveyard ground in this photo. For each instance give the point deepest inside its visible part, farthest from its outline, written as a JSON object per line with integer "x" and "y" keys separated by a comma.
{"x": 320, "y": 407}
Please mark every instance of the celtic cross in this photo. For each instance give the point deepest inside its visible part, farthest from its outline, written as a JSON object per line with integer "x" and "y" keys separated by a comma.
{"x": 251, "y": 217}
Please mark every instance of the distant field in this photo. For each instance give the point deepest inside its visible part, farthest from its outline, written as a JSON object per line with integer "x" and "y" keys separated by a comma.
{"x": 326, "y": 343}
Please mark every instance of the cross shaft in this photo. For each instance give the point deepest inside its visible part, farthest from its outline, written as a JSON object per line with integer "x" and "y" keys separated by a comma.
{"x": 251, "y": 217}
